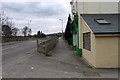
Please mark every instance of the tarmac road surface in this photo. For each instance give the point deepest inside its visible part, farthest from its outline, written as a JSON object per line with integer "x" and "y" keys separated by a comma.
{"x": 10, "y": 52}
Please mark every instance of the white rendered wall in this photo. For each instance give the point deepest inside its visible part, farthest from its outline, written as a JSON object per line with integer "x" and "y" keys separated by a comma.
{"x": 97, "y": 7}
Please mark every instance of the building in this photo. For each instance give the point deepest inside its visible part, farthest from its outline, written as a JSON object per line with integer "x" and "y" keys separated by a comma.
{"x": 75, "y": 36}
{"x": 95, "y": 32}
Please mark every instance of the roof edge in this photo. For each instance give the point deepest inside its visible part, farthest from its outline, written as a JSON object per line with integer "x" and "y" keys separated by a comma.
{"x": 102, "y": 14}
{"x": 96, "y": 33}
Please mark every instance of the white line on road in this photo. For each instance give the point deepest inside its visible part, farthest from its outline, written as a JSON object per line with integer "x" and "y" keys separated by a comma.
{"x": 18, "y": 58}
{"x": 16, "y": 46}
{"x": 10, "y": 48}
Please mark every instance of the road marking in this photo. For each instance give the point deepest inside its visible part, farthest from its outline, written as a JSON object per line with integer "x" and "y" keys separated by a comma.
{"x": 16, "y": 46}
{"x": 10, "y": 48}
{"x": 18, "y": 56}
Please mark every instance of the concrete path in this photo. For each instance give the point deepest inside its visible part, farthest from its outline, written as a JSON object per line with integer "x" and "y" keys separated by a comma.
{"x": 64, "y": 63}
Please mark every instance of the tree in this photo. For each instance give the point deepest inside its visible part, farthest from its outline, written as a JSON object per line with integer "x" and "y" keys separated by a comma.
{"x": 8, "y": 21}
{"x": 15, "y": 31}
{"x": 40, "y": 34}
{"x": 29, "y": 32}
{"x": 6, "y": 31}
{"x": 0, "y": 18}
{"x": 43, "y": 35}
{"x": 26, "y": 31}
{"x": 7, "y": 25}
{"x": 68, "y": 30}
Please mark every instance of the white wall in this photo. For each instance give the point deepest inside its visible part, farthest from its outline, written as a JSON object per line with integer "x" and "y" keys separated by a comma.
{"x": 98, "y": 0}
{"x": 97, "y": 7}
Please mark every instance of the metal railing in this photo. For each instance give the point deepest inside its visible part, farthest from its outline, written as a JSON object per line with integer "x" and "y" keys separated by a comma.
{"x": 44, "y": 45}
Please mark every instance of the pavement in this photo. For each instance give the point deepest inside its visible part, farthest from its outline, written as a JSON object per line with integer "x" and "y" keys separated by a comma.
{"x": 64, "y": 63}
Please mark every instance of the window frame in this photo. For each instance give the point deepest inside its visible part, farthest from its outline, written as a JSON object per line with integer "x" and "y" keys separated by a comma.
{"x": 87, "y": 37}
{"x": 102, "y": 21}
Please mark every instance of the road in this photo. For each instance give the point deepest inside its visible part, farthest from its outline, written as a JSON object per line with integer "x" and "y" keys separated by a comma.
{"x": 64, "y": 63}
{"x": 13, "y": 51}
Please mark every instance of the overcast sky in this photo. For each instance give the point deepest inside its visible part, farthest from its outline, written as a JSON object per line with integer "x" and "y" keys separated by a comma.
{"x": 44, "y": 14}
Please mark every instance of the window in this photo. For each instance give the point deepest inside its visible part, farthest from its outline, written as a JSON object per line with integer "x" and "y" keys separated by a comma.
{"x": 101, "y": 21}
{"x": 87, "y": 41}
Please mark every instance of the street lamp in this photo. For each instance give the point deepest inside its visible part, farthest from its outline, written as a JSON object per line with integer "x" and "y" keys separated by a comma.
{"x": 62, "y": 24}
{"x": 29, "y": 23}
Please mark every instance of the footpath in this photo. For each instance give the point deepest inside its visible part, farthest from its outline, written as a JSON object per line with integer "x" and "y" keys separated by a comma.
{"x": 64, "y": 63}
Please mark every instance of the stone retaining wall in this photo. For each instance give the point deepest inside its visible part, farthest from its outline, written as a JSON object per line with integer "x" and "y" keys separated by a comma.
{"x": 46, "y": 45}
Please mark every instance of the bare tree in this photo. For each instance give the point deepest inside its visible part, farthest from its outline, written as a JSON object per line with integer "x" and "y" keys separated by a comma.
{"x": 7, "y": 25}
{"x": 0, "y": 23}
{"x": 26, "y": 31}
{"x": 20, "y": 32}
{"x": 8, "y": 21}
{"x": 15, "y": 31}
{"x": 29, "y": 32}
{"x": 1, "y": 17}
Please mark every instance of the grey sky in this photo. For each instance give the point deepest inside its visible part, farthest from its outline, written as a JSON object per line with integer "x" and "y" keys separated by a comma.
{"x": 44, "y": 14}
